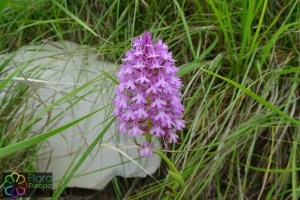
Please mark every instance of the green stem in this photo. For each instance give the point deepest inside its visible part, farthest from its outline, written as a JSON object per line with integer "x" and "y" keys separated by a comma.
{"x": 175, "y": 173}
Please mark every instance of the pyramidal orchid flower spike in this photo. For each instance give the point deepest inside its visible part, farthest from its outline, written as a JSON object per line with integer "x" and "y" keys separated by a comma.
{"x": 148, "y": 96}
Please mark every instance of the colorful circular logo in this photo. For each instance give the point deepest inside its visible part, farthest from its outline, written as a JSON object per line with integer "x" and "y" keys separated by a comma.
{"x": 15, "y": 185}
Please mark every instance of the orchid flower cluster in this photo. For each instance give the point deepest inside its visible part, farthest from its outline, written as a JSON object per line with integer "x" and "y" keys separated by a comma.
{"x": 148, "y": 96}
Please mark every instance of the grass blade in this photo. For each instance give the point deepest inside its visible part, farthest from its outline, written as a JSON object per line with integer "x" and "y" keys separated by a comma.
{"x": 62, "y": 186}
{"x": 186, "y": 27}
{"x": 34, "y": 140}
{"x": 255, "y": 96}
{"x": 79, "y": 21}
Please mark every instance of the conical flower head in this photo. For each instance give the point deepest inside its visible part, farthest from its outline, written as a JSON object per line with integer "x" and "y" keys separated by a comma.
{"x": 148, "y": 96}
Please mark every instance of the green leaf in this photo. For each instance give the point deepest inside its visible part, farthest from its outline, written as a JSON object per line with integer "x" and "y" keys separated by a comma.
{"x": 79, "y": 21}
{"x": 110, "y": 77}
{"x": 13, "y": 74}
{"x": 3, "y": 5}
{"x": 34, "y": 140}
{"x": 255, "y": 96}
{"x": 186, "y": 27}
{"x": 196, "y": 65}
{"x": 63, "y": 184}
{"x": 289, "y": 70}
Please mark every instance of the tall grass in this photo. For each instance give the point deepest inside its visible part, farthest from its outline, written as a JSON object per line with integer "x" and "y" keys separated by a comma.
{"x": 240, "y": 62}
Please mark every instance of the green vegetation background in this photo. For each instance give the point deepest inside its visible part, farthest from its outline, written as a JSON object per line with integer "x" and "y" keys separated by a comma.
{"x": 240, "y": 63}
